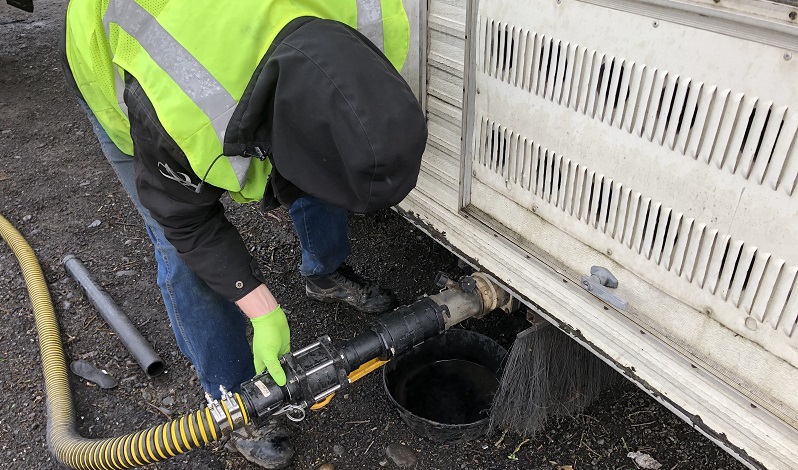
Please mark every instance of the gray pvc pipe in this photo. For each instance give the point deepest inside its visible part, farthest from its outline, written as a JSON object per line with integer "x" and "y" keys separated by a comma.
{"x": 138, "y": 347}
{"x": 461, "y": 305}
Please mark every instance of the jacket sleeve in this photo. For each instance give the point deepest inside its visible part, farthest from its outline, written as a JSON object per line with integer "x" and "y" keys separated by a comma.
{"x": 194, "y": 222}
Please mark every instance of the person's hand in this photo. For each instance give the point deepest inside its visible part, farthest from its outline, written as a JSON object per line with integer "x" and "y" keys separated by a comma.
{"x": 270, "y": 340}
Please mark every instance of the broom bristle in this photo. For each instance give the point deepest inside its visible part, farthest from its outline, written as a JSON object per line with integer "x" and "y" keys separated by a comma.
{"x": 546, "y": 374}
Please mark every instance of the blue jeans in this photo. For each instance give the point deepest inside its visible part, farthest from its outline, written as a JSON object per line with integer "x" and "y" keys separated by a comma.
{"x": 210, "y": 330}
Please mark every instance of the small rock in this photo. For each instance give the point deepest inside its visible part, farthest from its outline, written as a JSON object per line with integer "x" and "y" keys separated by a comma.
{"x": 644, "y": 460}
{"x": 5, "y": 131}
{"x": 600, "y": 442}
{"x": 146, "y": 395}
{"x": 326, "y": 466}
{"x": 383, "y": 462}
{"x": 27, "y": 218}
{"x": 401, "y": 455}
{"x": 165, "y": 411}
{"x": 84, "y": 184}
{"x": 65, "y": 305}
{"x": 168, "y": 401}
{"x": 338, "y": 450}
{"x": 125, "y": 272}
{"x": 95, "y": 223}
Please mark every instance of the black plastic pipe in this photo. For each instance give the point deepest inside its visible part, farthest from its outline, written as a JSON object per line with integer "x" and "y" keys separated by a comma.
{"x": 138, "y": 347}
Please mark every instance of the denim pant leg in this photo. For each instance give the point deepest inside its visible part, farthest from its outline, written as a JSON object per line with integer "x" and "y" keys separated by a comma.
{"x": 323, "y": 235}
{"x": 209, "y": 329}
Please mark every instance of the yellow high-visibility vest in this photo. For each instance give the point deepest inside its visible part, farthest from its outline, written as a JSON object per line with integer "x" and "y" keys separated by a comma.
{"x": 194, "y": 61}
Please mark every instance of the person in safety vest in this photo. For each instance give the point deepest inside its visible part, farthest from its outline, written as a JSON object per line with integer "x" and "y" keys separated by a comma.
{"x": 290, "y": 103}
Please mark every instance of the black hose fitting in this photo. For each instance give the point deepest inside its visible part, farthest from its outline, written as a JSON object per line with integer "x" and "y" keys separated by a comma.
{"x": 395, "y": 333}
{"x": 319, "y": 370}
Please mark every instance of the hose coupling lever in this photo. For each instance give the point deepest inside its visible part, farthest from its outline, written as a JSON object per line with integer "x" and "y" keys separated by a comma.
{"x": 295, "y": 413}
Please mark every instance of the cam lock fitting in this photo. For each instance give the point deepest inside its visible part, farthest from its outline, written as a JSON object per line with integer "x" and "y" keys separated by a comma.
{"x": 227, "y": 414}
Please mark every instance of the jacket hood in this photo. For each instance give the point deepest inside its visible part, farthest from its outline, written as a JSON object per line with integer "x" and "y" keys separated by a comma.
{"x": 337, "y": 119}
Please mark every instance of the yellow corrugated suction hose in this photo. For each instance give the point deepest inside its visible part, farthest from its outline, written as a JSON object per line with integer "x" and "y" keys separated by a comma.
{"x": 155, "y": 444}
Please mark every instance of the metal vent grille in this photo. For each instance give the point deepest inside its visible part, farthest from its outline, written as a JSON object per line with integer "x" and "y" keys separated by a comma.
{"x": 762, "y": 285}
{"x": 742, "y": 134}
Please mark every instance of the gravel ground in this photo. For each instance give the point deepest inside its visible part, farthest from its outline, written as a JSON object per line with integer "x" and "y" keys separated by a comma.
{"x": 54, "y": 185}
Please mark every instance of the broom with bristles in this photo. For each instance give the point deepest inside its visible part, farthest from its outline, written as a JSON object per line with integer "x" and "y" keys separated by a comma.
{"x": 546, "y": 374}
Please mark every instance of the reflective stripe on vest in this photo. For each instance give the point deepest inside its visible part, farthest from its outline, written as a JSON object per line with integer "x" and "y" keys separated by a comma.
{"x": 191, "y": 76}
{"x": 369, "y": 21}
{"x": 199, "y": 85}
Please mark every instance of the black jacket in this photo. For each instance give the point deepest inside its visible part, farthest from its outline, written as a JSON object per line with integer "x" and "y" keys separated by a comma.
{"x": 334, "y": 116}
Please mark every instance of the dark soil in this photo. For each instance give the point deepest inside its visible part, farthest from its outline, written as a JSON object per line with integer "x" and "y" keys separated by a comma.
{"x": 54, "y": 183}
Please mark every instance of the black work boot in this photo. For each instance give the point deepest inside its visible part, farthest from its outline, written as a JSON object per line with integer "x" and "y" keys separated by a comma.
{"x": 343, "y": 285}
{"x": 267, "y": 446}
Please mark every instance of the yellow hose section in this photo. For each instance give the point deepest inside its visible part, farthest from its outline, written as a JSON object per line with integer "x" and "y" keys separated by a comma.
{"x": 131, "y": 450}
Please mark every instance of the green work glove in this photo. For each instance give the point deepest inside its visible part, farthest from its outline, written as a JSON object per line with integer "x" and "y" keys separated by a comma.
{"x": 270, "y": 340}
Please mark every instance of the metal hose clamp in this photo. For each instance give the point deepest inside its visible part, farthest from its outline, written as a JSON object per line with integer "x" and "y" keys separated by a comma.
{"x": 218, "y": 414}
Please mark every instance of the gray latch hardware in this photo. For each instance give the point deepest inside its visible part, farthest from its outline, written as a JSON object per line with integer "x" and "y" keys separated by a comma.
{"x": 599, "y": 284}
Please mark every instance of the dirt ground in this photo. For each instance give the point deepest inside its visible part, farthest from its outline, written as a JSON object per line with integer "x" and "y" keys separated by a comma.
{"x": 55, "y": 185}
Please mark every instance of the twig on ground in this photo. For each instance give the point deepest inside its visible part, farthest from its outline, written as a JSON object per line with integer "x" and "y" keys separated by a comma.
{"x": 591, "y": 417}
{"x": 513, "y": 456}
{"x": 501, "y": 439}
{"x": 592, "y": 451}
{"x": 119, "y": 221}
{"x": 368, "y": 448}
{"x": 635, "y": 425}
{"x": 91, "y": 320}
{"x": 158, "y": 408}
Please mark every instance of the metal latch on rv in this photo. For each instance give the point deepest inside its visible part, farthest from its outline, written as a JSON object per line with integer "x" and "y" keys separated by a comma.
{"x": 599, "y": 284}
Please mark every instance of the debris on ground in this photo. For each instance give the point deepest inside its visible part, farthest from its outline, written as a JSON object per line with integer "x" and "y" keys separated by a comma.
{"x": 401, "y": 455}
{"x": 88, "y": 371}
{"x": 644, "y": 461}
{"x": 514, "y": 455}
